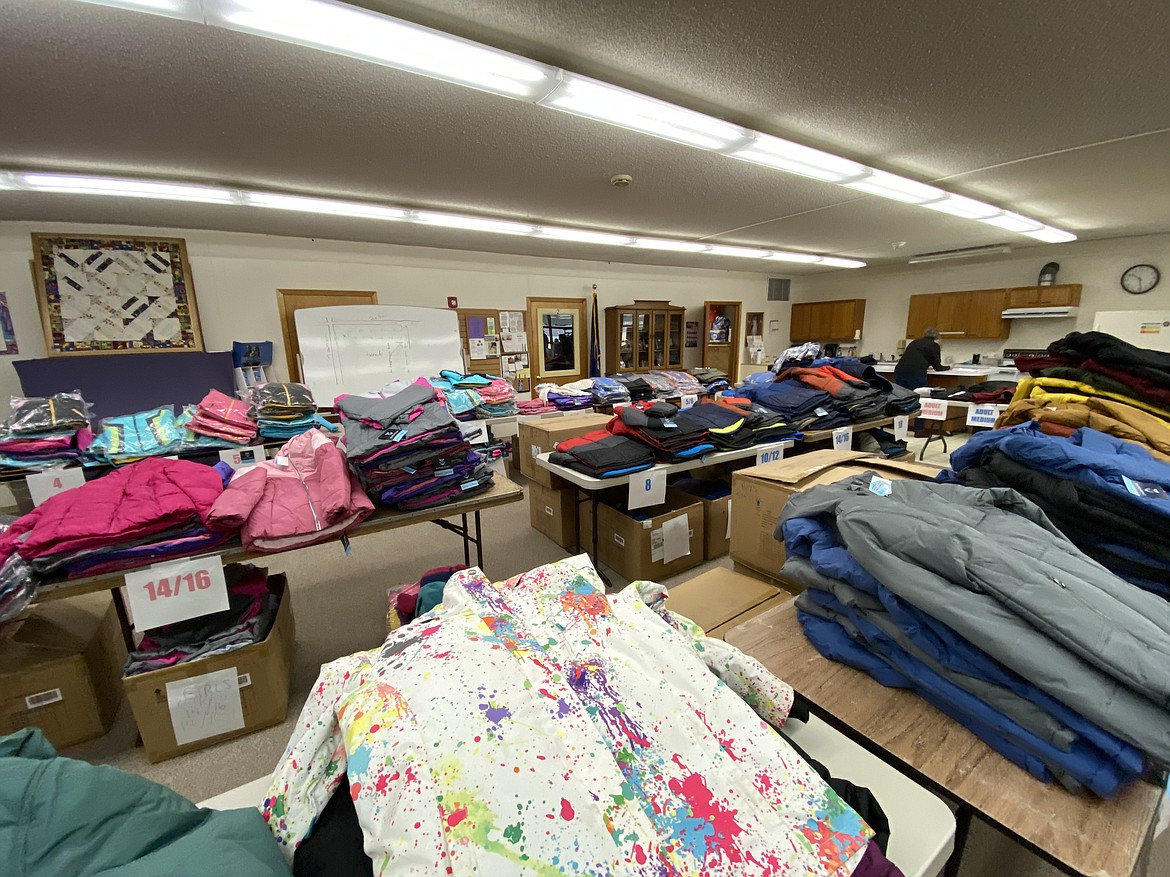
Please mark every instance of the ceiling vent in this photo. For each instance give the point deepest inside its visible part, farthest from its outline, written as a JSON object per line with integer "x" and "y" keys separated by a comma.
{"x": 964, "y": 253}
{"x": 779, "y": 288}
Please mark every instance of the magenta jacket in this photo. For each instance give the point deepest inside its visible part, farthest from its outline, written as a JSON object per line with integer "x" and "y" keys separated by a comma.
{"x": 304, "y": 494}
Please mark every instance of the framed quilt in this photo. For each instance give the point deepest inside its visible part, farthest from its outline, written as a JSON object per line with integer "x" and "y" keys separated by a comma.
{"x": 115, "y": 295}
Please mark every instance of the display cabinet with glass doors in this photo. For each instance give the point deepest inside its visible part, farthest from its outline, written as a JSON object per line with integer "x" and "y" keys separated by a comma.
{"x": 643, "y": 336}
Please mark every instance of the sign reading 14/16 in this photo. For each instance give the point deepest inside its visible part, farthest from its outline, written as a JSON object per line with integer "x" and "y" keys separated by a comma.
{"x": 175, "y": 591}
{"x": 164, "y": 588}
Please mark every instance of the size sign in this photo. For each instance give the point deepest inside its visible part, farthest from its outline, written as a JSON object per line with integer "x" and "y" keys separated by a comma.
{"x": 933, "y": 409}
{"x": 769, "y": 455}
{"x": 843, "y": 438}
{"x": 688, "y": 400}
{"x": 42, "y": 485}
{"x": 982, "y": 415}
{"x": 901, "y": 427}
{"x": 176, "y": 591}
{"x": 239, "y": 458}
{"x": 647, "y": 488}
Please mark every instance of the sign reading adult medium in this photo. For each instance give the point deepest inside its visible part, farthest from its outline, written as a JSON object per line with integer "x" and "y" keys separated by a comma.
{"x": 982, "y": 415}
{"x": 170, "y": 592}
{"x": 843, "y": 438}
{"x": 933, "y": 409}
{"x": 647, "y": 488}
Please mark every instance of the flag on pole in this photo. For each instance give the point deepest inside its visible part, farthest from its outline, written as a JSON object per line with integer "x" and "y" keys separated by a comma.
{"x": 594, "y": 341}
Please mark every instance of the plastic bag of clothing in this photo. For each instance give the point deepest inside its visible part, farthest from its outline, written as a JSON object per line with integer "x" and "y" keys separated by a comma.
{"x": 155, "y": 432}
{"x": 281, "y": 400}
{"x": 61, "y": 411}
{"x": 18, "y": 582}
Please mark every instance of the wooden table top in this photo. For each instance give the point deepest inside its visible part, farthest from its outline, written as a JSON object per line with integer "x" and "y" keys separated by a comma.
{"x": 1088, "y": 835}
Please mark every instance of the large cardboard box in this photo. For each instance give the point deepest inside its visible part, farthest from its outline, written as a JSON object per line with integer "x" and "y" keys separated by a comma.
{"x": 633, "y": 546}
{"x": 263, "y": 672}
{"x": 541, "y": 436}
{"x": 716, "y": 513}
{"x": 553, "y": 511}
{"x": 60, "y": 670}
{"x": 760, "y": 492}
{"x": 720, "y": 599}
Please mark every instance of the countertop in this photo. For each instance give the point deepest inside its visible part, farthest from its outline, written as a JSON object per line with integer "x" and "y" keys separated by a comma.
{"x": 963, "y": 371}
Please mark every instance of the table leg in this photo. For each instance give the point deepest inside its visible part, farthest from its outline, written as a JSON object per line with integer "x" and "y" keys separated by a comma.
{"x": 124, "y": 620}
{"x": 478, "y": 541}
{"x": 962, "y": 826}
{"x": 466, "y": 544}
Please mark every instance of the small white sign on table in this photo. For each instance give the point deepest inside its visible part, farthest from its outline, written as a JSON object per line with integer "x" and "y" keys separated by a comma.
{"x": 205, "y": 706}
{"x": 176, "y": 591}
{"x": 647, "y": 488}
{"x": 476, "y": 429}
{"x": 843, "y": 438}
{"x": 42, "y": 485}
{"x": 239, "y": 458}
{"x": 933, "y": 409}
{"x": 982, "y": 415}
{"x": 689, "y": 399}
{"x": 769, "y": 455}
{"x": 901, "y": 427}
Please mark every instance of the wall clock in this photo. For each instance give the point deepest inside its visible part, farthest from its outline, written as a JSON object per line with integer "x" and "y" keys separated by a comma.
{"x": 1140, "y": 278}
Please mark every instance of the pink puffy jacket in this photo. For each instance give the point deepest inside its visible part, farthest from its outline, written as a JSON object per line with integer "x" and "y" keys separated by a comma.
{"x": 304, "y": 494}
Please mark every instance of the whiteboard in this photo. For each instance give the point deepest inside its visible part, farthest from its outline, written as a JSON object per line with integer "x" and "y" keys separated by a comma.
{"x": 359, "y": 348}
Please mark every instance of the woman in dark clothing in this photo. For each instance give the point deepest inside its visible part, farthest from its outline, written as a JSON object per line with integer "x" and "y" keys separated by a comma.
{"x": 920, "y": 354}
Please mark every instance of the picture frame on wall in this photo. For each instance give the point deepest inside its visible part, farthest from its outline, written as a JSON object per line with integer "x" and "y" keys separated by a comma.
{"x": 112, "y": 294}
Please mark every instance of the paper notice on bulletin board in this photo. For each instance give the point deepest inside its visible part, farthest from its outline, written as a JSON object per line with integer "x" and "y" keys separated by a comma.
{"x": 511, "y": 321}
{"x": 692, "y": 334}
{"x": 7, "y": 332}
{"x": 476, "y": 327}
{"x": 514, "y": 342}
{"x": 477, "y": 347}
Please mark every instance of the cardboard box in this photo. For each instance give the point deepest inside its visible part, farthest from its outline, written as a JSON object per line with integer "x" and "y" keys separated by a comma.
{"x": 778, "y": 580}
{"x": 760, "y": 492}
{"x": 716, "y": 514}
{"x": 60, "y": 670}
{"x": 633, "y": 548}
{"x": 553, "y": 511}
{"x": 541, "y": 436}
{"x": 720, "y": 599}
{"x": 263, "y": 671}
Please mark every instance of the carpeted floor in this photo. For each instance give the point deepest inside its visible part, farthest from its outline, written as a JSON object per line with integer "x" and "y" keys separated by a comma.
{"x": 339, "y": 604}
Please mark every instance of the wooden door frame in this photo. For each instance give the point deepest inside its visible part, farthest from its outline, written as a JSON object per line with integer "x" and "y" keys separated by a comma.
{"x": 536, "y": 344}
{"x": 288, "y": 326}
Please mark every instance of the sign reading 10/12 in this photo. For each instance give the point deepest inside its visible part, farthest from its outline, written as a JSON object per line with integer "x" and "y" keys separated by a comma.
{"x": 170, "y": 592}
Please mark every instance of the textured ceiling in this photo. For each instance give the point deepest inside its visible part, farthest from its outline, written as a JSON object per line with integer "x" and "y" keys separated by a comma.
{"x": 1011, "y": 104}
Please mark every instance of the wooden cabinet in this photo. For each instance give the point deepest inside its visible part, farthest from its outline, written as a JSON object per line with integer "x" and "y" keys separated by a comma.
{"x": 1058, "y": 295}
{"x": 824, "y": 321}
{"x": 972, "y": 314}
{"x": 722, "y": 344}
{"x": 643, "y": 336}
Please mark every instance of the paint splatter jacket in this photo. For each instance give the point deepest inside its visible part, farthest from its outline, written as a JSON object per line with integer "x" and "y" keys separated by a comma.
{"x": 539, "y": 727}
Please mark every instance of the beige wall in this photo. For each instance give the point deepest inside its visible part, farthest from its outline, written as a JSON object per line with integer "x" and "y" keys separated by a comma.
{"x": 236, "y": 276}
{"x": 1096, "y": 265}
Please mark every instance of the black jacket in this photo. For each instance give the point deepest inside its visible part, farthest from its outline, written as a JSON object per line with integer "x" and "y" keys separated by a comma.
{"x": 921, "y": 354}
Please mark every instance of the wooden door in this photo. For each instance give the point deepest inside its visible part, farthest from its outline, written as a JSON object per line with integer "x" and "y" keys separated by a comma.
{"x": 674, "y": 341}
{"x": 984, "y": 314}
{"x": 801, "y": 328}
{"x": 289, "y": 301}
{"x": 953, "y": 313}
{"x": 923, "y": 314}
{"x": 821, "y": 322}
{"x": 841, "y": 321}
{"x": 558, "y": 340}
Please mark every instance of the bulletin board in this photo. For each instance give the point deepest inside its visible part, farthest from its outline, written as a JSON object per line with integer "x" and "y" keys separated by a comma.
{"x": 494, "y": 342}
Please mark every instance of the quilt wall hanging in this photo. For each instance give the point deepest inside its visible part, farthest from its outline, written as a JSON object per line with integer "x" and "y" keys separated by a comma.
{"x": 115, "y": 295}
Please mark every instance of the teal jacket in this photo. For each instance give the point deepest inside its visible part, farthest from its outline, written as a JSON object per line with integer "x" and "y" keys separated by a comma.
{"x": 61, "y": 816}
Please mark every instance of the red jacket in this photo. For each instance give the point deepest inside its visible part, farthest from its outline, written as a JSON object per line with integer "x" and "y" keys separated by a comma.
{"x": 304, "y": 494}
{"x": 138, "y": 500}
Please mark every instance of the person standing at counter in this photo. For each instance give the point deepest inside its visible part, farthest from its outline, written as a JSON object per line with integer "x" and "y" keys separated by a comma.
{"x": 920, "y": 354}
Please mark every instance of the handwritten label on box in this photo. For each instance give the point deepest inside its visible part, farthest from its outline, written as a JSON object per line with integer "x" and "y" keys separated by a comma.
{"x": 205, "y": 706}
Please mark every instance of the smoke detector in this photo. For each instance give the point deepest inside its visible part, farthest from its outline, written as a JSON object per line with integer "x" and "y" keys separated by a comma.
{"x": 620, "y": 181}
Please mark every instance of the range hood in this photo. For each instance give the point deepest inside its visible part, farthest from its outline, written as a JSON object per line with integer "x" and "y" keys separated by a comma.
{"x": 1049, "y": 313}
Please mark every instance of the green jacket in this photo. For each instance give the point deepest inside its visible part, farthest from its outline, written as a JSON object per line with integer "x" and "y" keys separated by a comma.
{"x": 60, "y": 816}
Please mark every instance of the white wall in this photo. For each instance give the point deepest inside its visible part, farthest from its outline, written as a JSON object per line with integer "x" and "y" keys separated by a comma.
{"x": 236, "y": 277}
{"x": 1096, "y": 265}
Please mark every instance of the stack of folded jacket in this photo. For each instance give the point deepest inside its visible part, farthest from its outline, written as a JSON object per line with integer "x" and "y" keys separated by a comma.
{"x": 497, "y": 398}
{"x": 252, "y": 605}
{"x": 284, "y": 410}
{"x": 765, "y": 425}
{"x": 852, "y": 396}
{"x": 535, "y": 406}
{"x": 760, "y": 378}
{"x": 602, "y": 454}
{"x": 129, "y": 437}
{"x": 714, "y": 380}
{"x": 568, "y": 398}
{"x": 607, "y": 391}
{"x": 803, "y": 407}
{"x": 637, "y": 388}
{"x": 1108, "y": 496}
{"x": 899, "y": 400}
{"x": 18, "y": 582}
{"x": 727, "y": 426}
{"x": 972, "y": 599}
{"x": 408, "y": 450}
{"x": 146, "y": 512}
{"x": 684, "y": 384}
{"x": 457, "y": 391}
{"x": 223, "y": 417}
{"x": 46, "y": 431}
{"x": 673, "y": 435}
{"x": 662, "y": 386}
{"x": 799, "y": 356}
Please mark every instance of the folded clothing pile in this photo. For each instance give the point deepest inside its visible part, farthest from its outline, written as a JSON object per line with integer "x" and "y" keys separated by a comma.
{"x": 40, "y": 432}
{"x": 252, "y": 605}
{"x": 1117, "y": 419}
{"x": 799, "y": 356}
{"x": 684, "y": 384}
{"x": 602, "y": 454}
{"x": 18, "y": 582}
{"x": 457, "y": 391}
{"x": 975, "y": 601}
{"x": 898, "y": 399}
{"x": 146, "y": 512}
{"x": 567, "y": 398}
{"x": 662, "y": 386}
{"x": 802, "y": 406}
{"x": 410, "y": 601}
{"x": 880, "y": 441}
{"x": 129, "y": 437}
{"x": 223, "y": 417}
{"x": 529, "y": 407}
{"x": 851, "y": 396}
{"x": 497, "y": 398}
{"x": 1108, "y": 496}
{"x": 607, "y": 391}
{"x": 637, "y": 388}
{"x": 765, "y": 425}
{"x": 727, "y": 426}
{"x": 284, "y": 410}
{"x": 408, "y": 450}
{"x": 674, "y": 436}
{"x": 714, "y": 380}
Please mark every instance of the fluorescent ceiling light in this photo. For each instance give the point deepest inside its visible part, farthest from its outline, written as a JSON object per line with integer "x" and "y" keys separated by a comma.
{"x": 671, "y": 246}
{"x": 965, "y": 208}
{"x": 1014, "y": 222}
{"x": 896, "y": 188}
{"x": 584, "y": 236}
{"x": 131, "y": 188}
{"x": 7, "y": 180}
{"x": 323, "y": 206}
{"x": 346, "y": 30}
{"x": 608, "y": 103}
{"x": 1051, "y": 235}
{"x": 796, "y": 159}
{"x": 742, "y": 252}
{"x": 188, "y": 10}
{"x": 782, "y": 256}
{"x": 473, "y": 223}
{"x": 834, "y": 262}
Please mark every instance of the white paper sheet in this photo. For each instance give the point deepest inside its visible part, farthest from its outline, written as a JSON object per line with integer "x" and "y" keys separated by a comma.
{"x": 676, "y": 538}
{"x": 477, "y": 347}
{"x": 205, "y": 706}
{"x": 647, "y": 488}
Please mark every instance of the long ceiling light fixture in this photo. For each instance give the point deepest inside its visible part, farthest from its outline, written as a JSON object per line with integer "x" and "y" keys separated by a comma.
{"x": 75, "y": 184}
{"x": 359, "y": 33}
